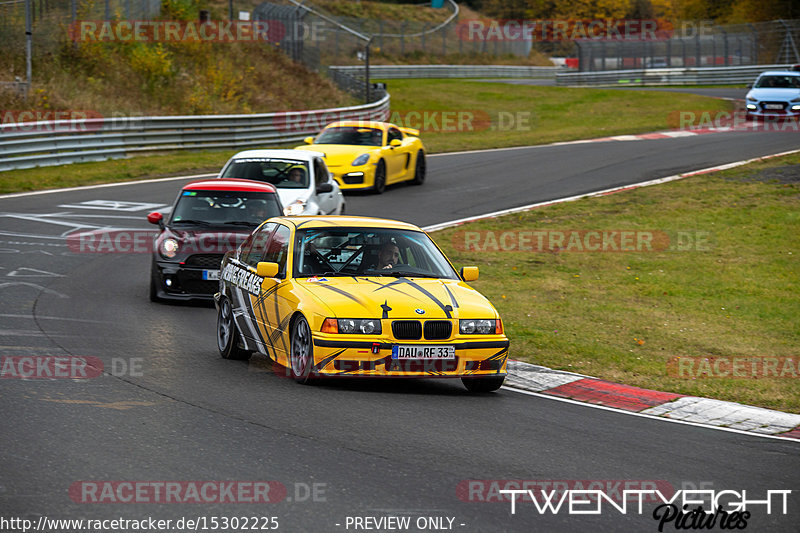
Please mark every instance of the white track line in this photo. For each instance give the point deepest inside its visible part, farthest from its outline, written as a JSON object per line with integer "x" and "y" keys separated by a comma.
{"x": 450, "y": 224}
{"x": 651, "y": 417}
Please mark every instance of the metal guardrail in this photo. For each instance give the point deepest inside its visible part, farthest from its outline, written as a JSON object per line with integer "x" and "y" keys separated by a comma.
{"x": 666, "y": 76}
{"x": 389, "y": 72}
{"x": 46, "y": 143}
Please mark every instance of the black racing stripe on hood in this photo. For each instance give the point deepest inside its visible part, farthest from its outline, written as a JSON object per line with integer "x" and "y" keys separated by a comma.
{"x": 343, "y": 293}
{"x": 423, "y": 290}
{"x": 452, "y": 296}
{"x": 386, "y": 286}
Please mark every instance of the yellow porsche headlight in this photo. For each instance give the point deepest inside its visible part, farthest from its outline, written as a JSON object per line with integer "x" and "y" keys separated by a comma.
{"x": 360, "y": 160}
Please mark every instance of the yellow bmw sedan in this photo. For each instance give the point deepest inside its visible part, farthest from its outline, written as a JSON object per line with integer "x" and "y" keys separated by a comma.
{"x": 366, "y": 155}
{"x": 332, "y": 296}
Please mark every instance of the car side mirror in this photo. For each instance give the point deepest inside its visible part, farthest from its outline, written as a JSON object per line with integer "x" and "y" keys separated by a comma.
{"x": 469, "y": 273}
{"x": 749, "y": 85}
{"x": 394, "y": 143}
{"x": 156, "y": 218}
{"x": 267, "y": 270}
{"x": 324, "y": 187}
{"x": 309, "y": 140}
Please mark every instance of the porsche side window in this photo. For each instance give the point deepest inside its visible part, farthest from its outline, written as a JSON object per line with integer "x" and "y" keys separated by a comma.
{"x": 258, "y": 246}
{"x": 278, "y": 249}
{"x": 394, "y": 133}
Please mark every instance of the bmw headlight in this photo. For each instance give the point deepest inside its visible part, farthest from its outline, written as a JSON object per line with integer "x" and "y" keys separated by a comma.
{"x": 480, "y": 327}
{"x": 295, "y": 208}
{"x": 351, "y": 326}
{"x": 360, "y": 160}
{"x": 169, "y": 248}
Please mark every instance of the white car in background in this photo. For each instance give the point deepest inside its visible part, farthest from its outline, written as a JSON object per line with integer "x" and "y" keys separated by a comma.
{"x": 302, "y": 179}
{"x": 775, "y": 94}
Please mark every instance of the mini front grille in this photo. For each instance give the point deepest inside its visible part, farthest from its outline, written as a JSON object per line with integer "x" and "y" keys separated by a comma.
{"x": 407, "y": 329}
{"x": 438, "y": 329}
{"x": 204, "y": 260}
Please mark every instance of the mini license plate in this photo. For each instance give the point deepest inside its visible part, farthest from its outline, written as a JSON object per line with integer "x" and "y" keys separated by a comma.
{"x": 211, "y": 275}
{"x": 423, "y": 352}
{"x": 773, "y": 106}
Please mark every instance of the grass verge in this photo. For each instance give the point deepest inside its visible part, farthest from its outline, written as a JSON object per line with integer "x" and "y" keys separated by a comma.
{"x": 550, "y": 114}
{"x": 622, "y": 316}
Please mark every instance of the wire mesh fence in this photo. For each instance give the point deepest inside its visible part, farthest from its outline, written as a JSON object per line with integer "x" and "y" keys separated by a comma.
{"x": 50, "y": 22}
{"x": 698, "y": 45}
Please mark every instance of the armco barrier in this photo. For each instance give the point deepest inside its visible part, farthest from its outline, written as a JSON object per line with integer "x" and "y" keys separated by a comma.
{"x": 389, "y": 72}
{"x": 31, "y": 144}
{"x": 666, "y": 76}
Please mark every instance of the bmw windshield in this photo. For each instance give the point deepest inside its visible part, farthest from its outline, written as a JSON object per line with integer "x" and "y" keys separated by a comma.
{"x": 368, "y": 252}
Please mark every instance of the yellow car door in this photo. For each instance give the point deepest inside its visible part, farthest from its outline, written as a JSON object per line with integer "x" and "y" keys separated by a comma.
{"x": 398, "y": 157}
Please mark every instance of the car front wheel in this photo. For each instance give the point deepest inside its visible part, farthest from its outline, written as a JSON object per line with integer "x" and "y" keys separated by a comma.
{"x": 302, "y": 351}
{"x": 380, "y": 177}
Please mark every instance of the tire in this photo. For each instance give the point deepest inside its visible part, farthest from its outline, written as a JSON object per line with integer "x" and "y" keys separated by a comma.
{"x": 227, "y": 335}
{"x": 483, "y": 384}
{"x": 420, "y": 168}
{"x": 301, "y": 357}
{"x": 153, "y": 289}
{"x": 380, "y": 178}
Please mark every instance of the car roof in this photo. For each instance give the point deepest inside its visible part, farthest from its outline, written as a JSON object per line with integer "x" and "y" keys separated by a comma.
{"x": 779, "y": 73}
{"x": 229, "y": 184}
{"x": 297, "y": 155}
{"x": 361, "y": 124}
{"x": 345, "y": 222}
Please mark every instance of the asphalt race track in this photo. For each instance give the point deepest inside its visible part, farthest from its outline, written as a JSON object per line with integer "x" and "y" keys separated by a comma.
{"x": 173, "y": 410}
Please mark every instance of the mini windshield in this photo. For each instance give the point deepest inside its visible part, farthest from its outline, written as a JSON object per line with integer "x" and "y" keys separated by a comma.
{"x": 368, "y": 252}
{"x": 282, "y": 173}
{"x": 225, "y": 207}
{"x": 351, "y": 135}
{"x": 778, "y": 82}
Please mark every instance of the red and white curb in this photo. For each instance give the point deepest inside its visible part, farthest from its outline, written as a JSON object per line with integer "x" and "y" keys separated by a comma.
{"x": 690, "y": 409}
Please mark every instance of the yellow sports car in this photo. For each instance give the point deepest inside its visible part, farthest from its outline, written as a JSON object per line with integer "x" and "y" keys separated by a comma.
{"x": 370, "y": 155}
{"x": 329, "y": 296}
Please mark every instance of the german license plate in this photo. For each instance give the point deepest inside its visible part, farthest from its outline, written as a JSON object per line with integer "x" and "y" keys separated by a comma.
{"x": 773, "y": 106}
{"x": 423, "y": 352}
{"x": 211, "y": 275}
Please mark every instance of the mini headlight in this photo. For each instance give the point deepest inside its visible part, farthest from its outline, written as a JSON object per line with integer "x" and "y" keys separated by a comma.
{"x": 361, "y": 326}
{"x": 480, "y": 327}
{"x": 360, "y": 160}
{"x": 169, "y": 248}
{"x": 295, "y": 208}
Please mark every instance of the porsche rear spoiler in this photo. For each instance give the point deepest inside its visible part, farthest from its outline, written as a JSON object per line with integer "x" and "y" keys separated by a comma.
{"x": 410, "y": 131}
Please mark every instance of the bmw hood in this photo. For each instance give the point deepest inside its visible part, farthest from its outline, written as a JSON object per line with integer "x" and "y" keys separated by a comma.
{"x": 398, "y": 298}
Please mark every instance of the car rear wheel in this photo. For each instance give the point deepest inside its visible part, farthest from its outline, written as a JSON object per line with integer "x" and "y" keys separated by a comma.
{"x": 227, "y": 335}
{"x": 380, "y": 178}
{"x": 419, "y": 169}
{"x": 302, "y": 351}
{"x": 483, "y": 384}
